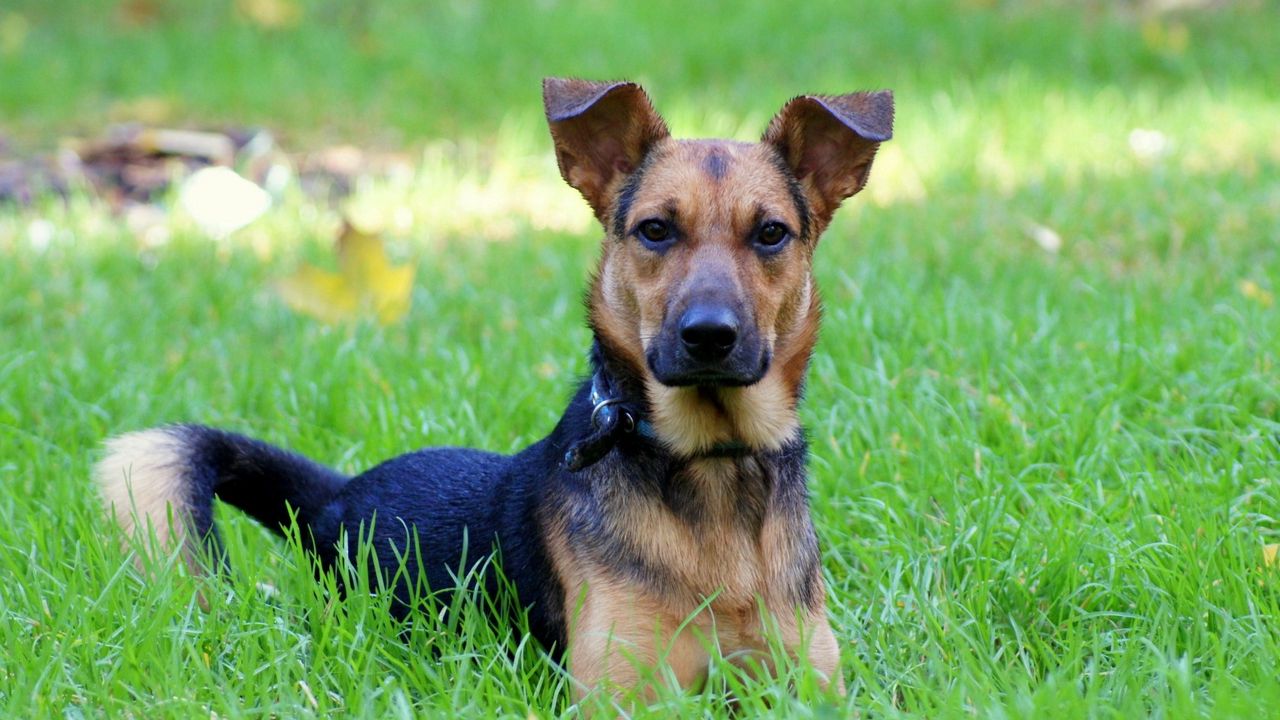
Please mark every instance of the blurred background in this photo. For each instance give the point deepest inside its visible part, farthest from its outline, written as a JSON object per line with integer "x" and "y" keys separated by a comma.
{"x": 429, "y": 112}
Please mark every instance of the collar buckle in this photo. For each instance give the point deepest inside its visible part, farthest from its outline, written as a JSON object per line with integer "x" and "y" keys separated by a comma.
{"x": 613, "y": 416}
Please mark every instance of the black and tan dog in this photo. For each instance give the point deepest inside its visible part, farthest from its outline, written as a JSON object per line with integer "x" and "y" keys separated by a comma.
{"x": 669, "y": 504}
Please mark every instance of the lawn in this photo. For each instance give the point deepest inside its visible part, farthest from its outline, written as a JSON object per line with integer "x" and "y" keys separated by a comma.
{"x": 1044, "y": 410}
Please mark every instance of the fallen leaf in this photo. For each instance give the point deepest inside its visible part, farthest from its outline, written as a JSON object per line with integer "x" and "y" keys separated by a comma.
{"x": 1270, "y": 554}
{"x": 1256, "y": 293}
{"x": 366, "y": 282}
{"x": 319, "y": 293}
{"x": 272, "y": 14}
{"x": 364, "y": 263}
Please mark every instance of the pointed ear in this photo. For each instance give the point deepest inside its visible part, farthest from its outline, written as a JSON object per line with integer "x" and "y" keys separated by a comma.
{"x": 828, "y": 141}
{"x": 602, "y": 132}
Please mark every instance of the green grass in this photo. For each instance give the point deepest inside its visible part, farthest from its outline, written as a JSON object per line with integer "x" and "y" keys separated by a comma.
{"x": 1043, "y": 480}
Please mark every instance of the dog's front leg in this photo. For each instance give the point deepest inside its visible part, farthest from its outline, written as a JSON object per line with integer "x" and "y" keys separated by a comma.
{"x": 824, "y": 653}
{"x": 625, "y": 645}
{"x": 808, "y": 637}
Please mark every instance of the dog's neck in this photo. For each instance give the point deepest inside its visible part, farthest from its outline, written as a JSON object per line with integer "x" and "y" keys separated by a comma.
{"x": 704, "y": 421}
{"x": 622, "y": 380}
{"x": 686, "y": 524}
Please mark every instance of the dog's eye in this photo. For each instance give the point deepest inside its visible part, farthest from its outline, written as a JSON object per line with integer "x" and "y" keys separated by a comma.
{"x": 772, "y": 234}
{"x": 655, "y": 231}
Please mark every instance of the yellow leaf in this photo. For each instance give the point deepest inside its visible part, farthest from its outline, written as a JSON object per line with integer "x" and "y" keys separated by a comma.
{"x": 384, "y": 287}
{"x": 392, "y": 302}
{"x": 1270, "y": 553}
{"x": 361, "y": 256}
{"x": 1256, "y": 293}
{"x": 320, "y": 294}
{"x": 271, "y": 13}
{"x": 366, "y": 282}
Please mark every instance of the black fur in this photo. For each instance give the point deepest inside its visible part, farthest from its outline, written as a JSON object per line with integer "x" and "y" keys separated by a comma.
{"x": 716, "y": 164}
{"x": 458, "y": 500}
{"x": 627, "y": 196}
{"x": 796, "y": 192}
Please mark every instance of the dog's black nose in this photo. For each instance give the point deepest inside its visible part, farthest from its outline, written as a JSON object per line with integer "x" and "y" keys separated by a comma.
{"x": 709, "y": 332}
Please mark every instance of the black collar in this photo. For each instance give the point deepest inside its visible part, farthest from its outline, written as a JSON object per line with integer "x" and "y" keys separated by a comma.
{"x": 612, "y": 416}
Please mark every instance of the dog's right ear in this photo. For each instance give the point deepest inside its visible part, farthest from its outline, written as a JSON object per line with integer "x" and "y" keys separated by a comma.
{"x": 829, "y": 142}
{"x": 602, "y": 131}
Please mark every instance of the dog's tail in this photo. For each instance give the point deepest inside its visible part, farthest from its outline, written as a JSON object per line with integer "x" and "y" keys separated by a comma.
{"x": 164, "y": 481}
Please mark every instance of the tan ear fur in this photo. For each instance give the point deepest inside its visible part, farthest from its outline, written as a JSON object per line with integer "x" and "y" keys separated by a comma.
{"x": 602, "y": 132}
{"x": 829, "y": 141}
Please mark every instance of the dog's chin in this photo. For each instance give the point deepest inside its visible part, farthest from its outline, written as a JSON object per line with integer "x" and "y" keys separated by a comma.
{"x": 726, "y": 375}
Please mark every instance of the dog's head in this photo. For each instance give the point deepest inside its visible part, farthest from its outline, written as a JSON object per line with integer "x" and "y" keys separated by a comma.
{"x": 704, "y": 287}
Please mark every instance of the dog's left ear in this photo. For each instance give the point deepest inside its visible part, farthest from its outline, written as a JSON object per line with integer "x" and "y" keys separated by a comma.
{"x": 829, "y": 141}
{"x": 602, "y": 131}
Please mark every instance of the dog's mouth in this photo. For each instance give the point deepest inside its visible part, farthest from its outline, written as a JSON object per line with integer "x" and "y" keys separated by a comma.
{"x": 673, "y": 368}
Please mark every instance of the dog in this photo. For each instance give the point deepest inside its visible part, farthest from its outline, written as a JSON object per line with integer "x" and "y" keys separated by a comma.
{"x": 668, "y": 508}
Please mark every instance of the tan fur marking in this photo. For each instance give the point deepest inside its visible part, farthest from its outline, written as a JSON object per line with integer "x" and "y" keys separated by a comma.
{"x": 619, "y": 640}
{"x": 624, "y": 637}
{"x": 718, "y": 558}
{"x": 143, "y": 482}
{"x": 764, "y": 414}
{"x": 686, "y": 424}
{"x": 624, "y": 641}
{"x": 796, "y": 346}
{"x": 824, "y": 652}
{"x": 613, "y": 320}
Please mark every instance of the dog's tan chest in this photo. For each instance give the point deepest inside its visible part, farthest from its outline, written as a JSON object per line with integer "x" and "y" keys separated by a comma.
{"x": 713, "y": 543}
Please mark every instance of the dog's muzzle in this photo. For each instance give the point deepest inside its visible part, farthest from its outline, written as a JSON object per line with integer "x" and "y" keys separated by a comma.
{"x": 708, "y": 344}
